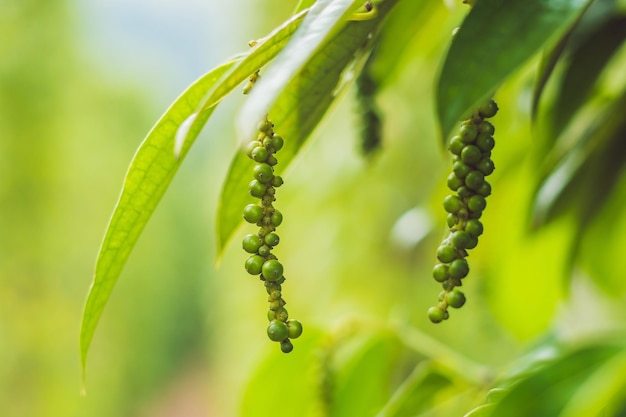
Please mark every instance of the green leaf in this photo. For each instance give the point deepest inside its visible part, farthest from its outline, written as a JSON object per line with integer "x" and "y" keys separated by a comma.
{"x": 298, "y": 103}
{"x": 150, "y": 173}
{"x": 563, "y": 384}
{"x": 586, "y": 63}
{"x": 493, "y": 41}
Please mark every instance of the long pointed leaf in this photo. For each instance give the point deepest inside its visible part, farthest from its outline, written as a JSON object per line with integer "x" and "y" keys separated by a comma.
{"x": 150, "y": 173}
{"x": 493, "y": 41}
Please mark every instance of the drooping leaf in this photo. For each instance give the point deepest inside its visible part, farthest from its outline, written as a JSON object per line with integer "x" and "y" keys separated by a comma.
{"x": 149, "y": 175}
{"x": 585, "y": 65}
{"x": 299, "y": 104}
{"x": 563, "y": 385}
{"x": 493, "y": 41}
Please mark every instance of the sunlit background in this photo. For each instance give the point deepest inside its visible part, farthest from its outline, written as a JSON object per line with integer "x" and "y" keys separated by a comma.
{"x": 82, "y": 82}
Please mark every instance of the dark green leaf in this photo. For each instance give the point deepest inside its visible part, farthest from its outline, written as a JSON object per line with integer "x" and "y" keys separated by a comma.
{"x": 299, "y": 104}
{"x": 150, "y": 173}
{"x": 493, "y": 41}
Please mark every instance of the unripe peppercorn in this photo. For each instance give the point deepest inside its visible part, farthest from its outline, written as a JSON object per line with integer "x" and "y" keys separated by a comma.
{"x": 440, "y": 272}
{"x": 277, "y": 142}
{"x": 277, "y": 331}
{"x": 263, "y": 173}
{"x": 452, "y": 204}
{"x": 251, "y": 243}
{"x": 286, "y": 346}
{"x": 485, "y": 142}
{"x": 257, "y": 189}
{"x": 272, "y": 239}
{"x": 470, "y": 154}
{"x": 436, "y": 315}
{"x": 460, "y": 239}
{"x": 254, "y": 264}
{"x": 476, "y": 203}
{"x": 461, "y": 169}
{"x": 474, "y": 180}
{"x": 454, "y": 182}
{"x": 488, "y": 109}
{"x": 468, "y": 132}
{"x": 456, "y": 145}
{"x": 253, "y": 213}
{"x": 487, "y": 127}
{"x": 446, "y": 253}
{"x": 259, "y": 154}
{"x": 272, "y": 270}
{"x": 455, "y": 298}
{"x": 276, "y": 218}
{"x": 458, "y": 268}
{"x": 295, "y": 329}
{"x": 474, "y": 227}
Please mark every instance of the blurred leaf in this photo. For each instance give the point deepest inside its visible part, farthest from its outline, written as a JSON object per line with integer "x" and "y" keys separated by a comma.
{"x": 150, "y": 173}
{"x": 362, "y": 378}
{"x": 297, "y": 105}
{"x": 419, "y": 392}
{"x": 481, "y": 411}
{"x": 585, "y": 65}
{"x": 587, "y": 172}
{"x": 565, "y": 382}
{"x": 303, "y": 4}
{"x": 493, "y": 41}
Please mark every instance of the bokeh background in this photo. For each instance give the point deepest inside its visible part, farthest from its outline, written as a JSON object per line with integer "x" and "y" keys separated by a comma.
{"x": 82, "y": 82}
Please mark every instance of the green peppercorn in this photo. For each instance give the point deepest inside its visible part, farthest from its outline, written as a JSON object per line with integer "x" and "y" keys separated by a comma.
{"x": 488, "y": 128}
{"x": 277, "y": 142}
{"x": 271, "y": 160}
{"x": 272, "y": 270}
{"x": 488, "y": 109}
{"x": 468, "y": 132}
{"x": 455, "y": 298}
{"x": 259, "y": 154}
{"x": 446, "y": 253}
{"x": 265, "y": 126}
{"x": 254, "y": 264}
{"x": 251, "y": 243}
{"x": 459, "y": 268}
{"x": 454, "y": 182}
{"x": 253, "y": 213}
{"x": 452, "y": 204}
{"x": 263, "y": 173}
{"x": 277, "y": 331}
{"x": 295, "y": 328}
{"x": 486, "y": 166}
{"x": 484, "y": 189}
{"x": 440, "y": 272}
{"x": 474, "y": 180}
{"x": 474, "y": 227}
{"x": 282, "y": 314}
{"x": 476, "y": 203}
{"x": 452, "y": 220}
{"x": 470, "y": 154}
{"x": 436, "y": 315}
{"x": 264, "y": 251}
{"x": 485, "y": 142}
{"x": 276, "y": 219}
{"x": 277, "y": 181}
{"x": 272, "y": 239}
{"x": 461, "y": 169}
{"x": 460, "y": 239}
{"x": 456, "y": 145}
{"x": 257, "y": 188}
{"x": 286, "y": 346}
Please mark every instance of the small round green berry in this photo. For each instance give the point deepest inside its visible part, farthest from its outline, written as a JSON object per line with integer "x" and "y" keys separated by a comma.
{"x": 488, "y": 109}
{"x": 455, "y": 298}
{"x": 263, "y": 173}
{"x": 476, "y": 203}
{"x": 259, "y": 154}
{"x": 464, "y": 192}
{"x": 472, "y": 243}
{"x": 452, "y": 220}
{"x": 436, "y": 315}
{"x": 456, "y": 145}
{"x": 452, "y": 203}
{"x": 485, "y": 189}
{"x": 458, "y": 268}
{"x": 474, "y": 180}
{"x": 257, "y": 189}
{"x": 271, "y": 160}
{"x": 468, "y": 132}
{"x": 277, "y": 142}
{"x": 251, "y": 243}
{"x": 265, "y": 126}
{"x": 251, "y": 146}
{"x": 488, "y": 128}
{"x": 277, "y": 331}
{"x": 281, "y": 314}
{"x": 253, "y": 213}
{"x": 460, "y": 239}
{"x": 254, "y": 264}
{"x": 272, "y": 270}
{"x": 286, "y": 346}
{"x": 264, "y": 251}
{"x": 474, "y": 227}
{"x": 295, "y": 329}
{"x": 485, "y": 142}
{"x": 272, "y": 239}
{"x": 454, "y": 182}
{"x": 461, "y": 169}
{"x": 471, "y": 154}
{"x": 276, "y": 219}
{"x": 440, "y": 272}
{"x": 271, "y": 315}
{"x": 446, "y": 253}
{"x": 277, "y": 181}
{"x": 486, "y": 166}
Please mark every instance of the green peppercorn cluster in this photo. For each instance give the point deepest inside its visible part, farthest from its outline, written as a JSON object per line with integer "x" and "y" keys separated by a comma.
{"x": 262, "y": 261}
{"x": 471, "y": 149}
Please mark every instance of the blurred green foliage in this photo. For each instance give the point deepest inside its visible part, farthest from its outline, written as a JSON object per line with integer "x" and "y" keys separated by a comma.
{"x": 181, "y": 337}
